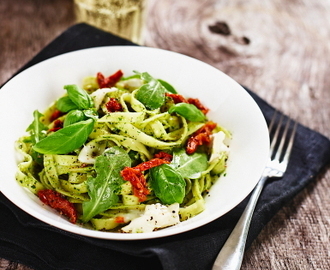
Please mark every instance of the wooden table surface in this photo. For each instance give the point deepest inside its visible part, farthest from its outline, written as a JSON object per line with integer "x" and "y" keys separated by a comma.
{"x": 278, "y": 48}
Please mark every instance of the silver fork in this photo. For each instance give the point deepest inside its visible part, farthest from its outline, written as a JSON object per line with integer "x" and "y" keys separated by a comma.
{"x": 231, "y": 254}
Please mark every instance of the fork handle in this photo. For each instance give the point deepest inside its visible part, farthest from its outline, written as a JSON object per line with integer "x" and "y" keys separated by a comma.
{"x": 231, "y": 254}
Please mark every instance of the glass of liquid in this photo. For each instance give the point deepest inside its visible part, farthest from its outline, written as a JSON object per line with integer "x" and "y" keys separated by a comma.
{"x": 124, "y": 18}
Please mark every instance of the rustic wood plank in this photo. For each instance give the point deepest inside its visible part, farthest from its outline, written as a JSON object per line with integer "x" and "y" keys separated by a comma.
{"x": 278, "y": 48}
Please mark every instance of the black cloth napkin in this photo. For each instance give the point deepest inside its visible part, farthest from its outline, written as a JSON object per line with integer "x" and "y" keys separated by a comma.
{"x": 29, "y": 241}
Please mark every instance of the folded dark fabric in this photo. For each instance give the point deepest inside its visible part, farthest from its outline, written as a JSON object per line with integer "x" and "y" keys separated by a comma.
{"x": 36, "y": 244}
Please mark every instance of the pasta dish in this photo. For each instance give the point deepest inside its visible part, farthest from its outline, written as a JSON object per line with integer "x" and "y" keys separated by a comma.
{"x": 123, "y": 154}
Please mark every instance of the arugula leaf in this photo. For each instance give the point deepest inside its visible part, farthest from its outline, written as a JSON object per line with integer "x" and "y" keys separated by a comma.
{"x": 135, "y": 76}
{"x": 145, "y": 76}
{"x": 73, "y": 116}
{"x": 65, "y": 104}
{"x": 168, "y": 185}
{"x": 36, "y": 128}
{"x": 104, "y": 188}
{"x": 188, "y": 111}
{"x": 189, "y": 166}
{"x": 66, "y": 139}
{"x": 79, "y": 96}
{"x": 151, "y": 94}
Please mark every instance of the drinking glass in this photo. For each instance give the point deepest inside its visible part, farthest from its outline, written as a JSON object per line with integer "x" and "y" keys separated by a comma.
{"x": 125, "y": 18}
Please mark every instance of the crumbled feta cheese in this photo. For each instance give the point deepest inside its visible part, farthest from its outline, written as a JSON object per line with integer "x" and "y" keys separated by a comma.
{"x": 218, "y": 145}
{"x": 155, "y": 216}
{"x": 90, "y": 151}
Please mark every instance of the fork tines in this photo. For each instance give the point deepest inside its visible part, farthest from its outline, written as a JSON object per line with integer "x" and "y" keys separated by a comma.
{"x": 283, "y": 127}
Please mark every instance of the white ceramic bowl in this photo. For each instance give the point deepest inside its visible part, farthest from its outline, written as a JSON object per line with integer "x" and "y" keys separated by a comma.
{"x": 230, "y": 106}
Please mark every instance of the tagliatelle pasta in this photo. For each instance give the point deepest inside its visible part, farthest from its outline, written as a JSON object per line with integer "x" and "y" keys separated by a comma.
{"x": 124, "y": 154}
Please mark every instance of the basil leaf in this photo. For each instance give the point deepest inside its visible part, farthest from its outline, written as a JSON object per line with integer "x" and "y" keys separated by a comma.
{"x": 168, "y": 87}
{"x": 79, "y": 96}
{"x": 73, "y": 116}
{"x": 65, "y": 140}
{"x": 188, "y": 111}
{"x": 167, "y": 184}
{"x": 104, "y": 188}
{"x": 91, "y": 113}
{"x": 36, "y": 128}
{"x": 151, "y": 94}
{"x": 189, "y": 166}
{"x": 37, "y": 132}
{"x": 65, "y": 104}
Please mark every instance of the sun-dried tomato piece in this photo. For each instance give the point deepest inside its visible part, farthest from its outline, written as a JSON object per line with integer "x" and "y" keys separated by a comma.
{"x": 195, "y": 141}
{"x": 137, "y": 179}
{"x": 150, "y": 164}
{"x": 56, "y": 114}
{"x": 177, "y": 98}
{"x": 84, "y": 165}
{"x": 163, "y": 155}
{"x": 113, "y": 105}
{"x": 120, "y": 219}
{"x": 198, "y": 104}
{"x": 200, "y": 137}
{"x": 55, "y": 200}
{"x": 58, "y": 124}
{"x": 138, "y": 182}
{"x": 107, "y": 82}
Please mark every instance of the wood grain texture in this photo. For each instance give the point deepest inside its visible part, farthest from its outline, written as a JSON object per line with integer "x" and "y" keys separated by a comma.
{"x": 278, "y": 48}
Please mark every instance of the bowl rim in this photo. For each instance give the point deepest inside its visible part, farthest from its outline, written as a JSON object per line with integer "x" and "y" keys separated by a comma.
{"x": 119, "y": 236}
